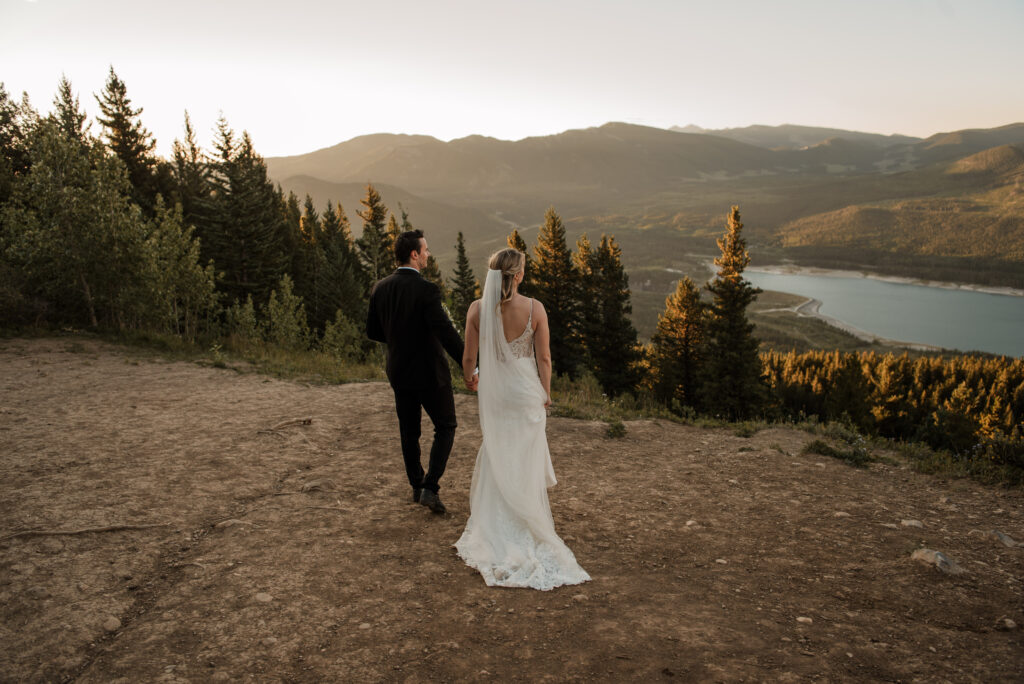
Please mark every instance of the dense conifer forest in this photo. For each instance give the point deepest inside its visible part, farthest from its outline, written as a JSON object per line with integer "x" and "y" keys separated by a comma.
{"x": 97, "y": 232}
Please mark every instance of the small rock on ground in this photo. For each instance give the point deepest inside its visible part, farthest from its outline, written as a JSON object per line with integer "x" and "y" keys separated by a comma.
{"x": 1006, "y": 539}
{"x": 939, "y": 560}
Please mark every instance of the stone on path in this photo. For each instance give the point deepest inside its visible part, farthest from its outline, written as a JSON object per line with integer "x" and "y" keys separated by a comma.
{"x": 939, "y": 560}
{"x": 805, "y": 620}
{"x": 911, "y": 523}
{"x": 264, "y": 597}
{"x": 111, "y": 624}
{"x": 841, "y": 514}
{"x": 233, "y": 522}
{"x": 1006, "y": 539}
{"x": 318, "y": 486}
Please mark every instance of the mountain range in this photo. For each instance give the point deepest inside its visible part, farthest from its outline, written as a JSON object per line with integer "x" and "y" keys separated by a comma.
{"x": 953, "y": 201}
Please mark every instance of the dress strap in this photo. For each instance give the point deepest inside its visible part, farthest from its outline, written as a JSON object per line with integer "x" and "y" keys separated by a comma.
{"x": 529, "y": 320}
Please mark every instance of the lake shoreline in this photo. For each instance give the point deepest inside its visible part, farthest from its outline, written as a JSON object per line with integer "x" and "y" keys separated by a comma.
{"x": 812, "y": 308}
{"x": 792, "y": 269}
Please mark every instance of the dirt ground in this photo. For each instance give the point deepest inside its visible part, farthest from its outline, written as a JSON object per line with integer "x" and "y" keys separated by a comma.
{"x": 714, "y": 557}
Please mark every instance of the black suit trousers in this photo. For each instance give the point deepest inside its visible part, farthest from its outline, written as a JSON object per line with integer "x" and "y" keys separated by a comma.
{"x": 439, "y": 403}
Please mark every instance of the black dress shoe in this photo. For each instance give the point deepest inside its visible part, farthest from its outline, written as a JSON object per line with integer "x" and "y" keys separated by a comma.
{"x": 432, "y": 501}
{"x": 416, "y": 495}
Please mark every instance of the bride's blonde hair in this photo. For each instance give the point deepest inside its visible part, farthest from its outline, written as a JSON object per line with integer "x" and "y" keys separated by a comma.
{"x": 509, "y": 262}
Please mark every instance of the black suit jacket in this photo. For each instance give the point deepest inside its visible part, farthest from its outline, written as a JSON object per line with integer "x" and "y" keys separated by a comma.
{"x": 406, "y": 313}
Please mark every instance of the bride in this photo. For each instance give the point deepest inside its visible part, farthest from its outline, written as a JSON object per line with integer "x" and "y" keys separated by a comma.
{"x": 510, "y": 536}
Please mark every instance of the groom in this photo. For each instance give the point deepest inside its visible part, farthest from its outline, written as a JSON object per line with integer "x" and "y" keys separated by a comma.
{"x": 406, "y": 313}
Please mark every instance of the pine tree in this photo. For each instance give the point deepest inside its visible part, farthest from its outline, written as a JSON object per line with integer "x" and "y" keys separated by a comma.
{"x": 555, "y": 285}
{"x": 613, "y": 348}
{"x": 343, "y": 279}
{"x": 375, "y": 245}
{"x": 129, "y": 141}
{"x": 293, "y": 242}
{"x": 16, "y": 122}
{"x": 393, "y": 232}
{"x": 308, "y": 265}
{"x": 71, "y": 120}
{"x": 247, "y": 229}
{"x": 465, "y": 286}
{"x": 674, "y": 356}
{"x": 731, "y": 384}
{"x": 587, "y": 296}
{"x": 516, "y": 241}
{"x": 191, "y": 181}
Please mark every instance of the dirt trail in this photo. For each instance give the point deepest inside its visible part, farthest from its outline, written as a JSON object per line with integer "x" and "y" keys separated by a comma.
{"x": 714, "y": 557}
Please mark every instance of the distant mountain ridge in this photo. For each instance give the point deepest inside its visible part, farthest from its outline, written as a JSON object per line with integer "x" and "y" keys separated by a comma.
{"x": 619, "y": 158}
{"x": 799, "y": 187}
{"x": 790, "y": 136}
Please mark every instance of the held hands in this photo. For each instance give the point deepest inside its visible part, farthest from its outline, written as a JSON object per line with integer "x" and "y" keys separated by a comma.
{"x": 473, "y": 381}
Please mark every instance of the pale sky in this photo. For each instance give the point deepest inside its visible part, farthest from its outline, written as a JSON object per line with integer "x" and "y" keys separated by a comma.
{"x": 302, "y": 75}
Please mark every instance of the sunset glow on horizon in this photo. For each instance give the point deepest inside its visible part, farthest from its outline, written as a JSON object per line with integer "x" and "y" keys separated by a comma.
{"x": 322, "y": 73}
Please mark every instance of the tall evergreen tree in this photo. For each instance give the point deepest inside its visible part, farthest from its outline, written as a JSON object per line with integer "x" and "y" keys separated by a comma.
{"x": 294, "y": 240}
{"x": 247, "y": 227}
{"x": 614, "y": 351}
{"x": 70, "y": 118}
{"x": 343, "y": 284}
{"x": 375, "y": 245}
{"x": 191, "y": 181}
{"x": 555, "y": 284}
{"x": 393, "y": 231}
{"x": 732, "y": 385}
{"x": 465, "y": 286}
{"x": 16, "y": 122}
{"x": 308, "y": 265}
{"x": 587, "y": 289}
{"x": 516, "y": 241}
{"x": 129, "y": 141}
{"x": 675, "y": 352}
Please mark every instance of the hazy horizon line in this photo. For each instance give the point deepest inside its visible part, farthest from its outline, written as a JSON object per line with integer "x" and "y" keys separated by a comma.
{"x": 642, "y": 125}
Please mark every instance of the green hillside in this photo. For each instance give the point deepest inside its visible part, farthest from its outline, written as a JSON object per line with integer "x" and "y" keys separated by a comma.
{"x": 974, "y": 214}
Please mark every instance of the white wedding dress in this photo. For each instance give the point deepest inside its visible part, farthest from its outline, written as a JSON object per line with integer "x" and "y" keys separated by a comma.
{"x": 510, "y": 536}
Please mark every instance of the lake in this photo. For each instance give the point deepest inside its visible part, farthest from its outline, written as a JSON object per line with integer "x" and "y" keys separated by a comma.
{"x": 953, "y": 319}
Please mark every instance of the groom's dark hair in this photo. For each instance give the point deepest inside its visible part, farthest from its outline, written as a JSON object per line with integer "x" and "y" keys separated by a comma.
{"x": 407, "y": 243}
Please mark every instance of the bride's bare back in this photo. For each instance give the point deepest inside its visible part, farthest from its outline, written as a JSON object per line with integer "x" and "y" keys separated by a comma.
{"x": 515, "y": 314}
